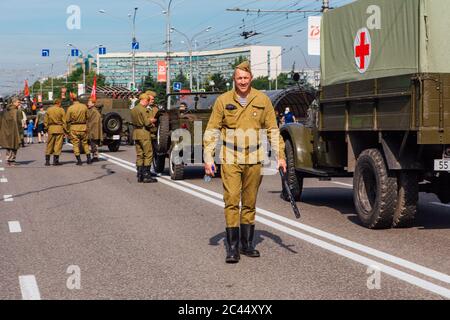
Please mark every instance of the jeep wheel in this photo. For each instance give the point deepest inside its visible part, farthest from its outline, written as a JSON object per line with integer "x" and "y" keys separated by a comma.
{"x": 163, "y": 134}
{"x": 112, "y": 123}
{"x": 408, "y": 196}
{"x": 159, "y": 162}
{"x": 295, "y": 180}
{"x": 375, "y": 191}
{"x": 176, "y": 169}
{"x": 114, "y": 146}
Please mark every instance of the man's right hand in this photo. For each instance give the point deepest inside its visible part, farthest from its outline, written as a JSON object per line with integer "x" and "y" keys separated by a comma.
{"x": 210, "y": 169}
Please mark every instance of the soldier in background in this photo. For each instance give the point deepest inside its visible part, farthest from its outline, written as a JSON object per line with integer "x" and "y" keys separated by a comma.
{"x": 142, "y": 121}
{"x": 94, "y": 125}
{"x": 39, "y": 125}
{"x": 55, "y": 126}
{"x": 247, "y": 109}
{"x": 76, "y": 118}
{"x": 10, "y": 124}
{"x": 154, "y": 129}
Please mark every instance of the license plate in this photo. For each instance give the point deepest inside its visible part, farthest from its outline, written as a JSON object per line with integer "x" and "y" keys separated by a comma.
{"x": 116, "y": 137}
{"x": 441, "y": 165}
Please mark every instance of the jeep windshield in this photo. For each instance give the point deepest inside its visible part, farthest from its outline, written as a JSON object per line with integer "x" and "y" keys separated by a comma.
{"x": 193, "y": 101}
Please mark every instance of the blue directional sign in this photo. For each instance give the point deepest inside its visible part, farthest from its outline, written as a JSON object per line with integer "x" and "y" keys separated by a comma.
{"x": 177, "y": 86}
{"x": 102, "y": 50}
{"x": 46, "y": 52}
{"x": 74, "y": 52}
{"x": 135, "y": 45}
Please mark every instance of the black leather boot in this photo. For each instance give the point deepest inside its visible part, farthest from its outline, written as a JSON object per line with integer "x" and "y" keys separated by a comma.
{"x": 232, "y": 245}
{"x": 247, "y": 236}
{"x": 89, "y": 159}
{"x": 56, "y": 161}
{"x": 79, "y": 163}
{"x": 140, "y": 175}
{"x": 47, "y": 160}
{"x": 147, "y": 176}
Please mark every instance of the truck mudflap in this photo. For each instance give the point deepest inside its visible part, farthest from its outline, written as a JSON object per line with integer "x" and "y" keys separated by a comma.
{"x": 302, "y": 141}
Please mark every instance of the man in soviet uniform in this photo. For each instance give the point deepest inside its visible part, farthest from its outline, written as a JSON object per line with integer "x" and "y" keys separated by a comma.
{"x": 237, "y": 118}
{"x": 10, "y": 124}
{"x": 154, "y": 129}
{"x": 55, "y": 126}
{"x": 76, "y": 118}
{"x": 94, "y": 124}
{"x": 143, "y": 121}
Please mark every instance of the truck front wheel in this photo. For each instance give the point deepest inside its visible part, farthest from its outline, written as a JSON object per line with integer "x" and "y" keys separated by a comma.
{"x": 375, "y": 191}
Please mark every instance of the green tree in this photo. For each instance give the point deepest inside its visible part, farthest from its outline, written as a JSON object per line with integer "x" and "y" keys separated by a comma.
{"x": 150, "y": 83}
{"x": 220, "y": 83}
{"x": 181, "y": 77}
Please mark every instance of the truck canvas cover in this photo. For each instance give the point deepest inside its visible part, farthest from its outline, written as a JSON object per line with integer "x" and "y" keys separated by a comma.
{"x": 370, "y": 39}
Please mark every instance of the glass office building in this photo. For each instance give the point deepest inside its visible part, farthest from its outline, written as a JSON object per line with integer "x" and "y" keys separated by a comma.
{"x": 117, "y": 67}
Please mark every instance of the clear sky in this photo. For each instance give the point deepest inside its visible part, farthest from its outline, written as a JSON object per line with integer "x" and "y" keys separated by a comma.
{"x": 28, "y": 26}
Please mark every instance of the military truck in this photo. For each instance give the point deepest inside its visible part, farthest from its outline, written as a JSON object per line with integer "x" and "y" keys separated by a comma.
{"x": 196, "y": 109}
{"x": 383, "y": 111}
{"x": 116, "y": 120}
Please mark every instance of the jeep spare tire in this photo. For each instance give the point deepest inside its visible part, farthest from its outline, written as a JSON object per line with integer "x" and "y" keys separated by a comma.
{"x": 112, "y": 123}
{"x": 163, "y": 134}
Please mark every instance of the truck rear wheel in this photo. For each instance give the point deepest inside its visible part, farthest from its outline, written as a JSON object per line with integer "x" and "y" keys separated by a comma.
{"x": 114, "y": 146}
{"x": 163, "y": 134}
{"x": 375, "y": 191}
{"x": 408, "y": 196}
{"x": 294, "y": 179}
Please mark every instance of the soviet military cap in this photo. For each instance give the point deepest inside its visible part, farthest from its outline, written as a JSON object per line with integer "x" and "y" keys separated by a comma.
{"x": 244, "y": 66}
{"x": 143, "y": 96}
{"x": 150, "y": 93}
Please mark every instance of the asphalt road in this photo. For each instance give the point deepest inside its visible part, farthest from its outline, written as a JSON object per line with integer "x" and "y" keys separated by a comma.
{"x": 93, "y": 232}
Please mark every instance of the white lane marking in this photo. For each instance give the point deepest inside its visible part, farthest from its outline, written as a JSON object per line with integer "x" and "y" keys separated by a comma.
{"x": 343, "y": 184}
{"x": 441, "y": 204}
{"x": 8, "y": 198}
{"x": 3, "y": 180}
{"x": 2, "y": 169}
{"x": 391, "y": 271}
{"x": 14, "y": 227}
{"x": 29, "y": 288}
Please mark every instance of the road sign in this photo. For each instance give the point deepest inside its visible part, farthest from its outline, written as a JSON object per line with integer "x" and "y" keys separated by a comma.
{"x": 135, "y": 45}
{"x": 102, "y": 50}
{"x": 177, "y": 86}
{"x": 46, "y": 52}
{"x": 74, "y": 52}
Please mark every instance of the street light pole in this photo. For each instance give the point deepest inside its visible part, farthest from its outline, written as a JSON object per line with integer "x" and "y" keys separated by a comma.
{"x": 189, "y": 43}
{"x": 168, "y": 51}
{"x": 134, "y": 51}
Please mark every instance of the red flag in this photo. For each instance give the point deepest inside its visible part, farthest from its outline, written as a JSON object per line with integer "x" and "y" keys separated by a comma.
{"x": 94, "y": 90}
{"x": 26, "y": 90}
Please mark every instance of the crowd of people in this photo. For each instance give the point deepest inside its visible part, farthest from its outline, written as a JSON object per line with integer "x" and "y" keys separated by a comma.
{"x": 81, "y": 123}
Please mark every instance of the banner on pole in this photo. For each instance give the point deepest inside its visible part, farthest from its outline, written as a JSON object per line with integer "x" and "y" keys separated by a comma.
{"x": 162, "y": 71}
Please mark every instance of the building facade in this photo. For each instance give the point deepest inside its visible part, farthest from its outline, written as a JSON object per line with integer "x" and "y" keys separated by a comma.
{"x": 117, "y": 67}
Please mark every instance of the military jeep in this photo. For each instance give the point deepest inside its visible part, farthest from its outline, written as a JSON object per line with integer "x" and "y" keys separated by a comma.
{"x": 198, "y": 107}
{"x": 116, "y": 120}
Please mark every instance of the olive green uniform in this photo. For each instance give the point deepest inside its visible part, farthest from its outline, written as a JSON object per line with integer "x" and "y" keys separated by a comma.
{"x": 55, "y": 126}
{"x": 76, "y": 118}
{"x": 95, "y": 132}
{"x": 10, "y": 127}
{"x": 241, "y": 154}
{"x": 140, "y": 117}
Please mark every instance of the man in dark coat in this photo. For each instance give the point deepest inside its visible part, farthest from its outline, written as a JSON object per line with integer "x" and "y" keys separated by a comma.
{"x": 10, "y": 124}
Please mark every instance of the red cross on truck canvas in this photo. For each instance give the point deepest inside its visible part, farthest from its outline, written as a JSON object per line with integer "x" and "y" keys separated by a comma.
{"x": 363, "y": 50}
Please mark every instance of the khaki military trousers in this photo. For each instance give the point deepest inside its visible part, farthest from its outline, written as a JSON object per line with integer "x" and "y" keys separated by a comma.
{"x": 94, "y": 147}
{"x": 78, "y": 137}
{"x": 144, "y": 152}
{"x": 54, "y": 144}
{"x": 240, "y": 184}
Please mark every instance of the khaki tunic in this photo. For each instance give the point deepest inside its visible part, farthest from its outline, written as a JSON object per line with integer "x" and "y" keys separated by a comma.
{"x": 10, "y": 127}
{"x": 241, "y": 154}
{"x": 55, "y": 125}
{"x": 94, "y": 124}
{"x": 76, "y": 118}
{"x": 140, "y": 117}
